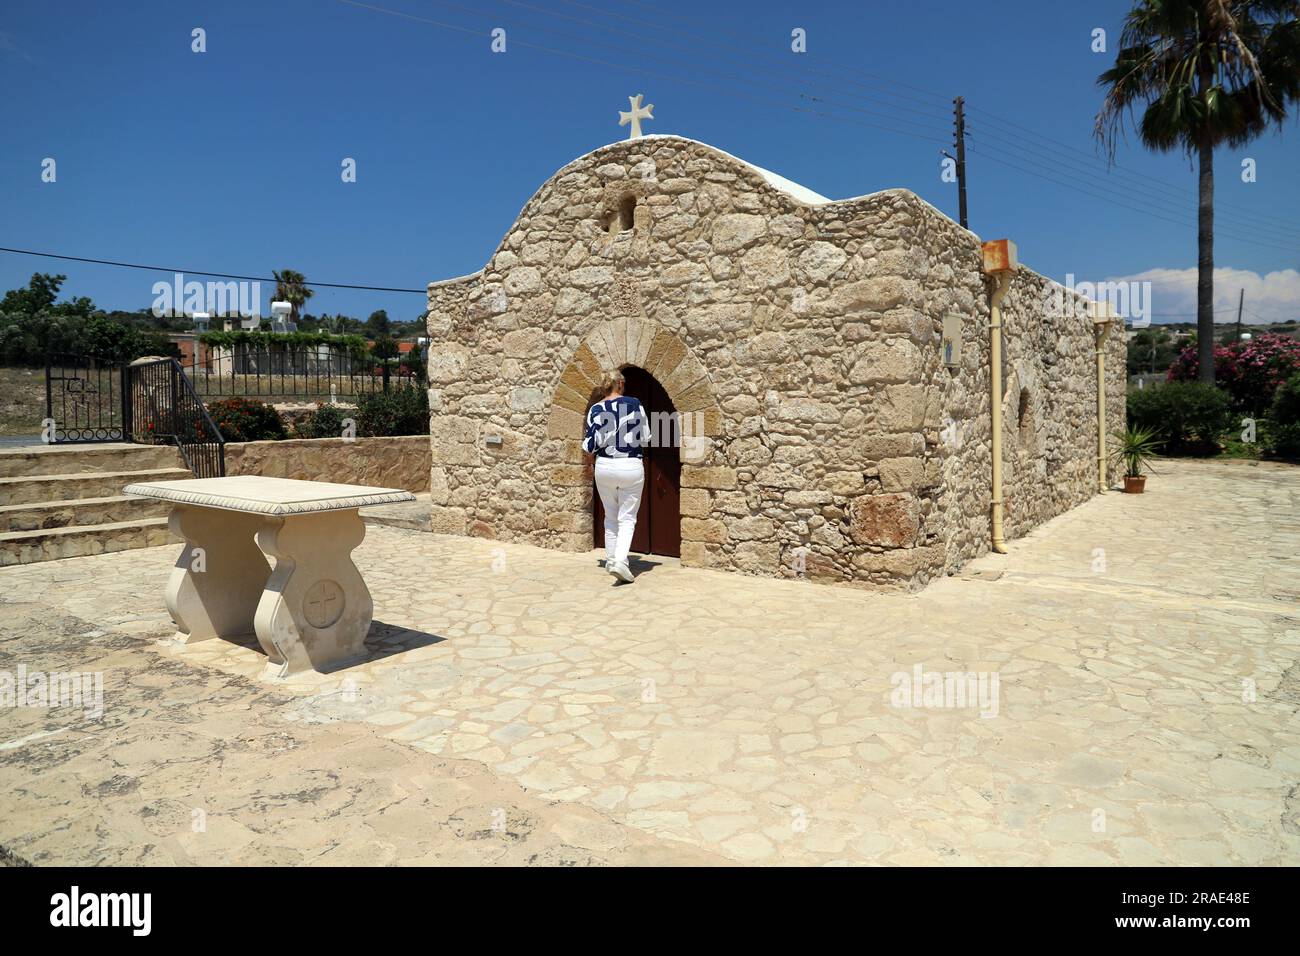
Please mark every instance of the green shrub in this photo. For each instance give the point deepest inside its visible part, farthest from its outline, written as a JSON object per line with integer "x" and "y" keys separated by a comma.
{"x": 1282, "y": 431}
{"x": 1286, "y": 402}
{"x": 246, "y": 419}
{"x": 325, "y": 422}
{"x": 402, "y": 410}
{"x": 1282, "y": 441}
{"x": 1189, "y": 417}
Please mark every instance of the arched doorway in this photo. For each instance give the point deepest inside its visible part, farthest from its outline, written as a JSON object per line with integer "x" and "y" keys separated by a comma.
{"x": 659, "y": 521}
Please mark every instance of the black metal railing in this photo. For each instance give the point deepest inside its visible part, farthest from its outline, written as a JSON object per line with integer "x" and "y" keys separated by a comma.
{"x": 86, "y": 400}
{"x": 165, "y": 409}
{"x": 309, "y": 373}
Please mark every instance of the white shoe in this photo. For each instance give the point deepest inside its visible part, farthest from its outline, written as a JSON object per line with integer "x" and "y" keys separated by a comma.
{"x": 621, "y": 571}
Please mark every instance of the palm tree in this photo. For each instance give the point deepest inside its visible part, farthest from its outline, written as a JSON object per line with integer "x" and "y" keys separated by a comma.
{"x": 292, "y": 287}
{"x": 1208, "y": 73}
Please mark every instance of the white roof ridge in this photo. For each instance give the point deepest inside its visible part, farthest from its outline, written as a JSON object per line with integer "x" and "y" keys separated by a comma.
{"x": 787, "y": 186}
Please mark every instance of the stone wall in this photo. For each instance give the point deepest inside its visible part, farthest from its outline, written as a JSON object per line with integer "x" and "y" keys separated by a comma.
{"x": 930, "y": 450}
{"x": 805, "y": 338}
{"x": 397, "y": 462}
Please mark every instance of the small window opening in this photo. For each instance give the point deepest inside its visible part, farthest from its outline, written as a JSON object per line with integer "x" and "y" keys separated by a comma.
{"x": 1025, "y": 417}
{"x": 627, "y": 213}
{"x": 623, "y": 219}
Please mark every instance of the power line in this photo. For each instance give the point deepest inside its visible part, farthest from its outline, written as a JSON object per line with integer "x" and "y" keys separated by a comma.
{"x": 1081, "y": 164}
{"x": 932, "y": 128}
{"x": 712, "y": 40}
{"x": 931, "y": 114}
{"x": 1134, "y": 193}
{"x": 940, "y": 96}
{"x": 1263, "y": 318}
{"x": 1244, "y": 220}
{"x": 635, "y": 69}
{"x": 218, "y": 275}
{"x": 1155, "y": 181}
{"x": 1127, "y": 204}
{"x": 1144, "y": 204}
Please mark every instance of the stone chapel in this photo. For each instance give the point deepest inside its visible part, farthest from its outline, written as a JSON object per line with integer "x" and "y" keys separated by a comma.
{"x": 833, "y": 432}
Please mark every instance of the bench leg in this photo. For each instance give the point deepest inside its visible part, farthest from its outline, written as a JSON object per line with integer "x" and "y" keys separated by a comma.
{"x": 316, "y": 609}
{"x": 218, "y": 579}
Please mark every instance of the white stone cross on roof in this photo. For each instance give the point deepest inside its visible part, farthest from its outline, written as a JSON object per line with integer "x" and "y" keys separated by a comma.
{"x": 635, "y": 115}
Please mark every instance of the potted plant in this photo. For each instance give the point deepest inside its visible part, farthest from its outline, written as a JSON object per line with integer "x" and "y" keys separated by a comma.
{"x": 1136, "y": 449}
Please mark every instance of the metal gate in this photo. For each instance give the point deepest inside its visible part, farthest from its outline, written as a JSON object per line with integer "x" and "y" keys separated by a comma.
{"x": 153, "y": 403}
{"x": 164, "y": 409}
{"x": 86, "y": 400}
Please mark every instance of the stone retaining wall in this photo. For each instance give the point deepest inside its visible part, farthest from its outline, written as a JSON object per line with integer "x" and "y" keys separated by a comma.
{"x": 397, "y": 462}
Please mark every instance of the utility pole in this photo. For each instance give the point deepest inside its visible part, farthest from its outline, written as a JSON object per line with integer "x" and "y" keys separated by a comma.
{"x": 959, "y": 127}
{"x": 1241, "y": 300}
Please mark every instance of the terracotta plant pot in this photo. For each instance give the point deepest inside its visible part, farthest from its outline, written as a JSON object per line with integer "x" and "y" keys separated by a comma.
{"x": 1134, "y": 485}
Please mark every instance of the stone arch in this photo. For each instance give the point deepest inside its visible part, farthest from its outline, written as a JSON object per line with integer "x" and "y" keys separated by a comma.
{"x": 616, "y": 344}
{"x": 646, "y": 344}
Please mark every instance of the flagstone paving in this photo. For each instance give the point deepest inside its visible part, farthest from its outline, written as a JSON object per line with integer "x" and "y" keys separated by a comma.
{"x": 1146, "y": 651}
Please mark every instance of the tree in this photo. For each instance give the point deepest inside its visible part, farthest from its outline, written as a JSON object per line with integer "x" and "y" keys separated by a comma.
{"x": 291, "y": 287}
{"x": 101, "y": 338}
{"x": 1150, "y": 350}
{"x": 1206, "y": 73}
{"x": 414, "y": 361}
{"x": 378, "y": 324}
{"x": 384, "y": 348}
{"x": 42, "y": 289}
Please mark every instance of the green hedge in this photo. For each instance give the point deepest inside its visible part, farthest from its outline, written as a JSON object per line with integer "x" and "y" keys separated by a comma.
{"x": 1189, "y": 417}
{"x": 325, "y": 422}
{"x": 355, "y": 345}
{"x": 402, "y": 410}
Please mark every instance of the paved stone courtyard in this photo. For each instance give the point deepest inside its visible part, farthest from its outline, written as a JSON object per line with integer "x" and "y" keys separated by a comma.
{"x": 521, "y": 707}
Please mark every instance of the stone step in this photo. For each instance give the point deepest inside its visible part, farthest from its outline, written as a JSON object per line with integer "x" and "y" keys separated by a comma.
{"x": 49, "y": 544}
{"x": 36, "y": 516}
{"x": 47, "y": 488}
{"x": 74, "y": 459}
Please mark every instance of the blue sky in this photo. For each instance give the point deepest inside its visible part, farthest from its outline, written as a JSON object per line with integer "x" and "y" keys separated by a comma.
{"x": 229, "y": 160}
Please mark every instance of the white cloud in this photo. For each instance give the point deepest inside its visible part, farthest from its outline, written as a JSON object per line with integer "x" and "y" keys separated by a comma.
{"x": 1272, "y": 297}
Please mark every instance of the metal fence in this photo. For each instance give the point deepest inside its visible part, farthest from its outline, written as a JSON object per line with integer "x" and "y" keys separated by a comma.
{"x": 310, "y": 373}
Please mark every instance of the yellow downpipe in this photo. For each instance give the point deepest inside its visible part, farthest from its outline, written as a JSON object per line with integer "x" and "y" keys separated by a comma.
{"x": 1101, "y": 330}
{"x": 995, "y": 390}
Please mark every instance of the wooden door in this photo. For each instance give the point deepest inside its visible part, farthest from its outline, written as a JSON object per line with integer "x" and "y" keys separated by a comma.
{"x": 658, "y": 522}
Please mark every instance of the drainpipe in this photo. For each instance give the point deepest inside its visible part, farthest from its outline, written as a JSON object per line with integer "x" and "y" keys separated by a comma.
{"x": 1102, "y": 324}
{"x": 1000, "y": 264}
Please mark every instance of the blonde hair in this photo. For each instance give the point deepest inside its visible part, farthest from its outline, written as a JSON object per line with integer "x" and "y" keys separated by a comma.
{"x": 613, "y": 381}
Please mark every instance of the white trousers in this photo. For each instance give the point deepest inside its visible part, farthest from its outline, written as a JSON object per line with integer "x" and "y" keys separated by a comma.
{"x": 619, "y": 482}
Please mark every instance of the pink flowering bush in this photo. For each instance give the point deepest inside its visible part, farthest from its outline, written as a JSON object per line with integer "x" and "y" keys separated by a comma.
{"x": 1250, "y": 372}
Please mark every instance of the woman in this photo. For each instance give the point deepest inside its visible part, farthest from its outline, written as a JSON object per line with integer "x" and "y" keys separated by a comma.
{"x": 617, "y": 433}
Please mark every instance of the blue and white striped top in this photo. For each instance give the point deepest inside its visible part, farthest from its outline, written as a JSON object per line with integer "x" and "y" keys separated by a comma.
{"x": 616, "y": 428}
